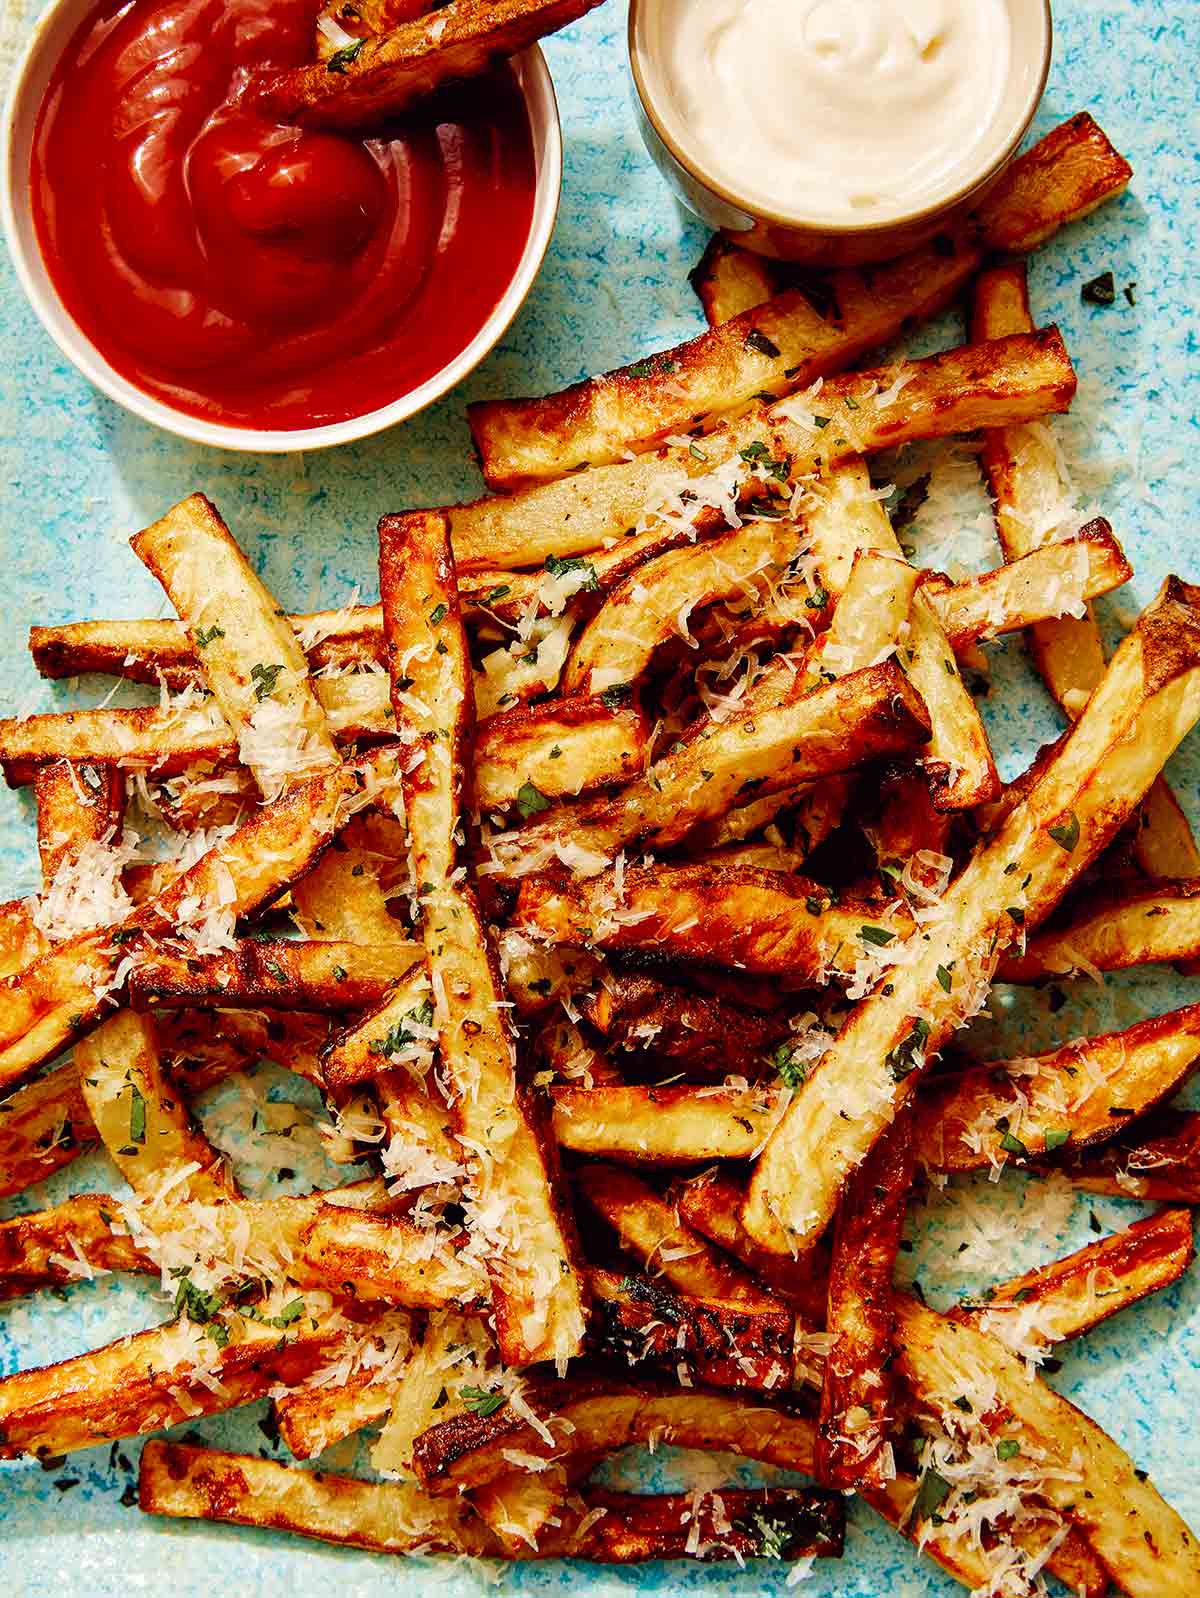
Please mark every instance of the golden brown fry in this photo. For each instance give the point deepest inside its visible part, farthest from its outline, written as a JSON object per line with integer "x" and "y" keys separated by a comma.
{"x": 386, "y": 1257}
{"x": 77, "y": 804}
{"x": 373, "y": 79}
{"x": 537, "y": 1293}
{"x": 1149, "y": 698}
{"x": 740, "y": 917}
{"x": 605, "y": 1415}
{"x": 650, "y": 1330}
{"x": 72, "y": 1242}
{"x": 665, "y": 1125}
{"x": 729, "y": 280}
{"x": 1064, "y": 176}
{"x": 783, "y": 735}
{"x": 284, "y": 975}
{"x": 1142, "y": 1541}
{"x": 986, "y": 385}
{"x": 21, "y": 943}
{"x": 1159, "y": 1161}
{"x": 857, "y": 1415}
{"x": 159, "y": 1377}
{"x": 562, "y": 748}
{"x": 1071, "y": 1295}
{"x": 1110, "y": 931}
{"x": 650, "y": 1229}
{"x": 146, "y": 1129}
{"x": 1084, "y": 1093}
{"x": 386, "y": 1517}
{"x": 348, "y": 897}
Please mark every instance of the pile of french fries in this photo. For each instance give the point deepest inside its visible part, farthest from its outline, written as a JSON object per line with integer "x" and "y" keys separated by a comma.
{"x": 619, "y": 879}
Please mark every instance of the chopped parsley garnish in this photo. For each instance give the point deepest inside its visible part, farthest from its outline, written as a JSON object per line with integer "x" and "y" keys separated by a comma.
{"x": 1013, "y": 1145}
{"x": 399, "y": 1035}
{"x": 1100, "y": 290}
{"x": 910, "y": 502}
{"x": 481, "y": 1402}
{"x": 879, "y": 936}
{"x": 619, "y": 694}
{"x": 493, "y": 594}
{"x": 274, "y": 970}
{"x": 1056, "y": 1136}
{"x": 196, "y": 1304}
{"x": 792, "y": 1072}
{"x": 1007, "y": 1448}
{"x": 137, "y": 1114}
{"x": 909, "y": 1053}
{"x": 438, "y": 614}
{"x": 531, "y": 801}
{"x": 817, "y": 600}
{"x": 1015, "y": 914}
{"x": 945, "y": 979}
{"x": 205, "y": 635}
{"x": 573, "y": 563}
{"x": 696, "y": 452}
{"x": 1066, "y": 834}
{"x": 652, "y": 366}
{"x": 932, "y": 1494}
{"x": 341, "y": 59}
{"x": 264, "y": 679}
{"x": 761, "y": 344}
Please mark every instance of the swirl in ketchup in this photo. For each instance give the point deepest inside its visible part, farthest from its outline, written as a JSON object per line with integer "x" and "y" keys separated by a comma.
{"x": 261, "y": 275}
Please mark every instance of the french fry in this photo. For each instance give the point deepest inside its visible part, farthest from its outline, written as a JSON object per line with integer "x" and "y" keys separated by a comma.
{"x": 72, "y": 1242}
{"x": 602, "y": 1527}
{"x": 538, "y": 1297}
{"x": 357, "y": 1392}
{"x": 1082, "y": 1094}
{"x": 1022, "y": 466}
{"x": 762, "y": 339}
{"x": 812, "y": 814}
{"x": 146, "y": 1130}
{"x": 712, "y": 1206}
{"x": 43, "y": 1007}
{"x": 605, "y": 1415}
{"x": 729, "y": 280}
{"x": 387, "y": 1258}
{"x": 398, "y": 1033}
{"x": 455, "y": 1352}
{"x": 739, "y": 917}
{"x": 1158, "y": 1161}
{"x": 1149, "y": 698}
{"x": 664, "y": 1125}
{"x": 703, "y": 1034}
{"x": 348, "y": 898}
{"x": 156, "y": 1378}
{"x": 373, "y": 79}
{"x": 1111, "y": 931}
{"x": 857, "y": 1413}
{"x": 650, "y": 1229}
{"x": 560, "y": 750}
{"x": 986, "y": 385}
{"x": 1142, "y": 1541}
{"x": 649, "y": 1330}
{"x": 77, "y": 804}
{"x": 783, "y": 736}
{"x": 1070, "y": 1296}
{"x": 519, "y": 1509}
{"x": 284, "y": 975}
{"x": 386, "y": 1517}
{"x": 231, "y": 619}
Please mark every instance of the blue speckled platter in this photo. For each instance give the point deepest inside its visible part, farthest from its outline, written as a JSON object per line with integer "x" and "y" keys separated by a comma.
{"x": 79, "y": 476}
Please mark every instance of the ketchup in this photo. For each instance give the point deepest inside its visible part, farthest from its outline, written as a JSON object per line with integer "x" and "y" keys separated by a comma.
{"x": 261, "y": 275}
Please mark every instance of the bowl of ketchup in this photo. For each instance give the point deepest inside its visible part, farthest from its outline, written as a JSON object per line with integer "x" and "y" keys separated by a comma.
{"x": 252, "y": 284}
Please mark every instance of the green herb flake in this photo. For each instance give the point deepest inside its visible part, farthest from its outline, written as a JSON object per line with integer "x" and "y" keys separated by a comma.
{"x": 341, "y": 59}
{"x": 205, "y": 635}
{"x": 264, "y": 679}
{"x": 879, "y": 936}
{"x": 531, "y": 801}
{"x": 909, "y": 1053}
{"x": 932, "y": 1494}
{"x": 619, "y": 694}
{"x": 1013, "y": 1145}
{"x": 817, "y": 600}
{"x": 438, "y": 614}
{"x": 945, "y": 979}
{"x": 1056, "y": 1136}
{"x": 481, "y": 1402}
{"x": 137, "y": 1114}
{"x": 1100, "y": 290}
{"x": 1007, "y": 1448}
{"x": 1066, "y": 833}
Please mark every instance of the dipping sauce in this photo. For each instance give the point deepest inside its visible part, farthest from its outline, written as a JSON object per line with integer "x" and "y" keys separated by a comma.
{"x": 259, "y": 275}
{"x": 845, "y": 112}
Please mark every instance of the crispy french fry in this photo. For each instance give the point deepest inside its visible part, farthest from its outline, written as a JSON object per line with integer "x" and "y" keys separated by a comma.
{"x": 777, "y": 1523}
{"x": 1084, "y": 1093}
{"x": 1142, "y": 1541}
{"x": 347, "y": 897}
{"x": 648, "y": 1329}
{"x": 729, "y": 280}
{"x": 72, "y": 1242}
{"x": 712, "y": 1206}
{"x": 1064, "y": 176}
{"x": 784, "y": 735}
{"x": 159, "y": 1377}
{"x": 387, "y": 1258}
{"x": 1070, "y": 1296}
{"x": 665, "y": 1125}
{"x": 147, "y": 1131}
{"x": 740, "y": 917}
{"x": 703, "y": 1034}
{"x": 63, "y": 992}
{"x": 519, "y": 1508}
{"x": 572, "y": 747}
{"x": 857, "y": 1414}
{"x": 398, "y": 1033}
{"x": 77, "y": 804}
{"x": 1158, "y": 1161}
{"x": 605, "y": 1415}
{"x": 986, "y": 385}
{"x": 1110, "y": 931}
{"x": 1149, "y": 698}
{"x": 376, "y": 78}
{"x": 650, "y": 1229}
{"x": 538, "y": 1297}
{"x": 812, "y": 814}
{"x": 284, "y": 975}
{"x": 387, "y": 1517}
{"x": 351, "y": 1394}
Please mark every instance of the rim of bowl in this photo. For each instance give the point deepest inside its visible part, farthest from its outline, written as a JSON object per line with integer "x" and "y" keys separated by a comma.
{"x": 800, "y": 223}
{"x": 541, "y": 105}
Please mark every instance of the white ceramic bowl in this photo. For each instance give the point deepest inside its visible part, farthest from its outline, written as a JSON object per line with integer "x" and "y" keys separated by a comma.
{"x": 33, "y": 72}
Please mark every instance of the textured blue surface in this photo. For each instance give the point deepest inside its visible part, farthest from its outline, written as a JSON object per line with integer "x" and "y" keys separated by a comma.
{"x": 79, "y": 476}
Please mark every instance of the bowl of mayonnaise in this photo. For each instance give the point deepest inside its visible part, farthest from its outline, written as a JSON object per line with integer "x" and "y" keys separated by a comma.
{"x": 836, "y": 132}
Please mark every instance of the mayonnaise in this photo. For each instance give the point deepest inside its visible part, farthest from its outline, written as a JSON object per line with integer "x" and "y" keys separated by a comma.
{"x": 848, "y": 112}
